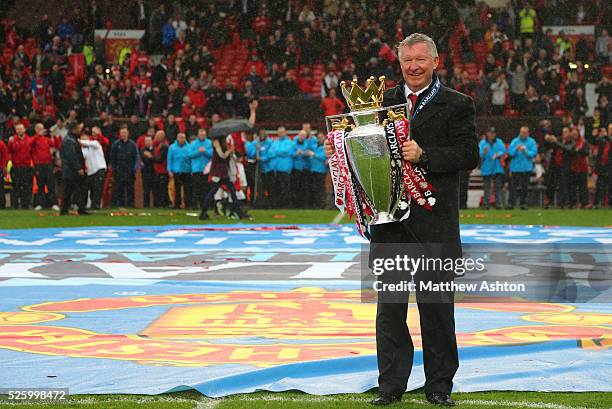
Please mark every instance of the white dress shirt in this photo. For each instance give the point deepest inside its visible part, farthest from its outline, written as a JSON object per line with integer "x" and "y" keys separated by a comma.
{"x": 408, "y": 91}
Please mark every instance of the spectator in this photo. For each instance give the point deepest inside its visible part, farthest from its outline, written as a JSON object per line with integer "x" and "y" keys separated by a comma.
{"x": 43, "y": 148}
{"x": 318, "y": 172}
{"x": 124, "y": 160}
{"x": 4, "y": 158}
{"x": 160, "y": 166}
{"x": 20, "y": 153}
{"x": 330, "y": 81}
{"x": 73, "y": 172}
{"x": 579, "y": 169}
{"x": 264, "y": 157}
{"x": 179, "y": 168}
{"x": 331, "y": 104}
{"x": 603, "y": 166}
{"x": 522, "y": 152}
{"x": 171, "y": 129}
{"x": 498, "y": 94}
{"x": 200, "y": 154}
{"x": 282, "y": 165}
{"x": 95, "y": 168}
{"x": 603, "y": 47}
{"x": 300, "y": 175}
{"x": 147, "y": 171}
{"x": 492, "y": 150}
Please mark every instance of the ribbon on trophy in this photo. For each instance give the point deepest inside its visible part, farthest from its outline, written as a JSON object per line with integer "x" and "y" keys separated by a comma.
{"x": 334, "y": 170}
{"x": 416, "y": 187}
{"x": 348, "y": 193}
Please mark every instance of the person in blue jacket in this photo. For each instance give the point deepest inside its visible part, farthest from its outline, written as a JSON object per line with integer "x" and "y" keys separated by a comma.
{"x": 282, "y": 164}
{"x": 492, "y": 149}
{"x": 200, "y": 153}
{"x": 300, "y": 177}
{"x": 179, "y": 167}
{"x": 318, "y": 171}
{"x": 522, "y": 152}
{"x": 265, "y": 167}
{"x": 251, "y": 146}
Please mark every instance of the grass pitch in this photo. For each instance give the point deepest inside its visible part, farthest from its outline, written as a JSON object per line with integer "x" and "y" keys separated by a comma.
{"x": 28, "y": 219}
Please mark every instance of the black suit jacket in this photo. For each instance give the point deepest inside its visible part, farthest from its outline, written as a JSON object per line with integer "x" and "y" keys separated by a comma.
{"x": 446, "y": 130}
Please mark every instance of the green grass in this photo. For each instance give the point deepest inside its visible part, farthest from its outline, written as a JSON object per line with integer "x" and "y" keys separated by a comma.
{"x": 27, "y": 219}
{"x": 298, "y": 400}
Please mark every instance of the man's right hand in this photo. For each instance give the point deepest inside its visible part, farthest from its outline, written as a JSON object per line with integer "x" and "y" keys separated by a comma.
{"x": 329, "y": 149}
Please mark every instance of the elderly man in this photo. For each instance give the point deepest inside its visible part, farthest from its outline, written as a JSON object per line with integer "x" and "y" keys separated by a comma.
{"x": 443, "y": 143}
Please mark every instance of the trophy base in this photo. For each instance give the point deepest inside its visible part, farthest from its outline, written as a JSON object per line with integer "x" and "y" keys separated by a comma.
{"x": 382, "y": 218}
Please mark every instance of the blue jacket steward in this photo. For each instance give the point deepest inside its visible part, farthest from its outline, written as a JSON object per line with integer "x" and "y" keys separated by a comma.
{"x": 178, "y": 158}
{"x": 490, "y": 155}
{"x": 522, "y": 161}
{"x": 199, "y": 159}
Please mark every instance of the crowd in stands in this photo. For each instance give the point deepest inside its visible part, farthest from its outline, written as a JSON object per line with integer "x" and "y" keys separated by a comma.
{"x": 216, "y": 60}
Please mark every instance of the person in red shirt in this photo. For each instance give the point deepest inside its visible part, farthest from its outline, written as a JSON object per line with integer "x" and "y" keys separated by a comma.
{"x": 96, "y": 135}
{"x": 197, "y": 97}
{"x": 579, "y": 169}
{"x": 43, "y": 148}
{"x": 4, "y": 157}
{"x": 331, "y": 104}
{"x": 20, "y": 153}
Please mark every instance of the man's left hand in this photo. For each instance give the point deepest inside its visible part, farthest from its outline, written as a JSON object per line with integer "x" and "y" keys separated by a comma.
{"x": 411, "y": 151}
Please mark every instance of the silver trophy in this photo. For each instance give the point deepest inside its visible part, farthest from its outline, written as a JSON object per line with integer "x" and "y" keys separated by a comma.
{"x": 373, "y": 155}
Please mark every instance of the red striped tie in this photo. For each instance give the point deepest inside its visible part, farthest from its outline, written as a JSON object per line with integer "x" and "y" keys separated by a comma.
{"x": 413, "y": 98}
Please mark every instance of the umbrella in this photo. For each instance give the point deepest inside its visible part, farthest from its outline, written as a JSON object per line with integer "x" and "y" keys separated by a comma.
{"x": 229, "y": 126}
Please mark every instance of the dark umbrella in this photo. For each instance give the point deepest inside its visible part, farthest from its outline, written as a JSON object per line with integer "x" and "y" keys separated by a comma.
{"x": 224, "y": 128}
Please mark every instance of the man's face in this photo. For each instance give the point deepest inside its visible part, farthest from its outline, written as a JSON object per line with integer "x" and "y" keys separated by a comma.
{"x": 123, "y": 134}
{"x": 148, "y": 141}
{"x": 281, "y": 132}
{"x": 202, "y": 134}
{"x": 181, "y": 138}
{"x": 491, "y": 136}
{"x": 20, "y": 130}
{"x": 524, "y": 133}
{"x": 417, "y": 65}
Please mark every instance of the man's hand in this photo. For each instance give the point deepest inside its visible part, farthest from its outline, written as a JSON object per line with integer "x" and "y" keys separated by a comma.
{"x": 201, "y": 149}
{"x": 486, "y": 149}
{"x": 81, "y": 172}
{"x": 171, "y": 174}
{"x": 411, "y": 151}
{"x": 329, "y": 149}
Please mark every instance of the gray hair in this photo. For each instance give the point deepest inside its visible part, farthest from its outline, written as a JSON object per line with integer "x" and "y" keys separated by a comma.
{"x": 415, "y": 38}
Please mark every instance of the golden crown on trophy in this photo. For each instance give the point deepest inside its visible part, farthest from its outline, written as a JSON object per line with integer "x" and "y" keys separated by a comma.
{"x": 359, "y": 99}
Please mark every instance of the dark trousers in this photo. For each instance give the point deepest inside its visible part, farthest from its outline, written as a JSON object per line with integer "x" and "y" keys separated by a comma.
{"x": 579, "y": 192}
{"x": 603, "y": 185}
{"x": 519, "y": 183}
{"x": 72, "y": 193}
{"x": 161, "y": 190}
{"x": 214, "y": 186}
{"x": 200, "y": 188}
{"x": 182, "y": 189}
{"x": 497, "y": 186}
{"x": 281, "y": 190}
{"x": 264, "y": 193}
{"x": 317, "y": 190}
{"x": 21, "y": 194}
{"x": 45, "y": 178}
{"x": 2, "y": 197}
{"x": 299, "y": 188}
{"x": 123, "y": 191}
{"x": 148, "y": 189}
{"x": 394, "y": 347}
{"x": 94, "y": 186}
{"x": 250, "y": 171}
{"x": 557, "y": 184}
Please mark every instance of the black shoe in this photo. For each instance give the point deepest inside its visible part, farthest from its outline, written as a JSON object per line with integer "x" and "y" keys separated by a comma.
{"x": 204, "y": 216}
{"x": 524, "y": 207}
{"x": 84, "y": 213}
{"x": 439, "y": 398}
{"x": 509, "y": 207}
{"x": 384, "y": 399}
{"x": 64, "y": 214}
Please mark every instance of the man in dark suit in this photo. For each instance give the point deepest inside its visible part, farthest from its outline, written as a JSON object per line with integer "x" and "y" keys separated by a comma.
{"x": 73, "y": 170}
{"x": 443, "y": 143}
